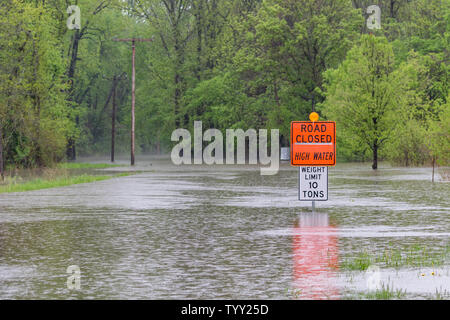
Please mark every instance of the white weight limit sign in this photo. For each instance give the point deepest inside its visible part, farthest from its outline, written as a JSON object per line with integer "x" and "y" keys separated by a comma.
{"x": 313, "y": 184}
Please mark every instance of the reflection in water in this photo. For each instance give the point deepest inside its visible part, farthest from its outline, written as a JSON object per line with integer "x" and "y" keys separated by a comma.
{"x": 315, "y": 254}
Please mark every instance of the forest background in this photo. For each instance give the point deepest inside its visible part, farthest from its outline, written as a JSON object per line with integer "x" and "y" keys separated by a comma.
{"x": 231, "y": 64}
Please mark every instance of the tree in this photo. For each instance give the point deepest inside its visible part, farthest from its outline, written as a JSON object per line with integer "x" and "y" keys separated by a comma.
{"x": 34, "y": 116}
{"x": 91, "y": 10}
{"x": 280, "y": 50}
{"x": 439, "y": 136}
{"x": 100, "y": 59}
{"x": 171, "y": 18}
{"x": 363, "y": 91}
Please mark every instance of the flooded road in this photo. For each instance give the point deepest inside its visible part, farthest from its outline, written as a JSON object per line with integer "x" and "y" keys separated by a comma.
{"x": 203, "y": 232}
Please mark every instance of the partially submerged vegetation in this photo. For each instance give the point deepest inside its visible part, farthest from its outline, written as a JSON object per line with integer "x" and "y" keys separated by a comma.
{"x": 415, "y": 256}
{"x": 385, "y": 292}
{"x": 441, "y": 294}
{"x": 40, "y": 183}
{"x": 445, "y": 174}
{"x": 388, "y": 292}
{"x": 64, "y": 174}
{"x": 82, "y": 165}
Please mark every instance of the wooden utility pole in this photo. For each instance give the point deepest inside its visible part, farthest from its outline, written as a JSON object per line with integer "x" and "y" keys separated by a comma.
{"x": 113, "y": 119}
{"x": 434, "y": 162}
{"x": 1, "y": 154}
{"x": 133, "y": 88}
{"x": 115, "y": 79}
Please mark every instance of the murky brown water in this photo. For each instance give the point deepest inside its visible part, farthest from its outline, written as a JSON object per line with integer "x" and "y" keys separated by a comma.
{"x": 202, "y": 232}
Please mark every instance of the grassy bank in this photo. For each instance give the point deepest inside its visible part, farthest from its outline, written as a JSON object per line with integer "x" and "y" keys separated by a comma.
{"x": 64, "y": 174}
{"x": 80, "y": 165}
{"x": 42, "y": 183}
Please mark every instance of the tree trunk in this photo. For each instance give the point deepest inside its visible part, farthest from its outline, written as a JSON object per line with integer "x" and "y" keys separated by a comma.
{"x": 176, "y": 11}
{"x": 73, "y": 58}
{"x": 198, "y": 18}
{"x": 113, "y": 123}
{"x": 177, "y": 95}
{"x": 375, "y": 155}
{"x": 37, "y": 102}
{"x": 177, "y": 80}
{"x": 434, "y": 162}
{"x": 133, "y": 92}
{"x": 275, "y": 92}
{"x": 391, "y": 8}
{"x": 71, "y": 151}
{"x": 1, "y": 154}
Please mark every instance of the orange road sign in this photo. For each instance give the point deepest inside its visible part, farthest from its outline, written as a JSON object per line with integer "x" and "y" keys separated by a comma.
{"x": 313, "y": 143}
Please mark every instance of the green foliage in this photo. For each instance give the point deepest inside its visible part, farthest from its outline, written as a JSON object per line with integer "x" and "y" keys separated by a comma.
{"x": 276, "y": 54}
{"x": 439, "y": 139}
{"x": 211, "y": 102}
{"x": 33, "y": 107}
{"x": 232, "y": 64}
{"x": 363, "y": 92}
{"x": 361, "y": 263}
{"x": 408, "y": 146}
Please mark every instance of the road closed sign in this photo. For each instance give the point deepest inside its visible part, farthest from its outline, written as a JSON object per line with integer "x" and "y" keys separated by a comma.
{"x": 313, "y": 143}
{"x": 313, "y": 184}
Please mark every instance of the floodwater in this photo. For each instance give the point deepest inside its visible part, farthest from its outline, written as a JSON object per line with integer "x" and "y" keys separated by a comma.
{"x": 224, "y": 232}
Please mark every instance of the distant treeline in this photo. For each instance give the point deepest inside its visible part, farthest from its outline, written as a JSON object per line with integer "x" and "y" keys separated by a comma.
{"x": 229, "y": 63}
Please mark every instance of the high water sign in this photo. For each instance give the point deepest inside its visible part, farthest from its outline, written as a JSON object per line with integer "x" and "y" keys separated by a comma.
{"x": 313, "y": 143}
{"x": 313, "y": 148}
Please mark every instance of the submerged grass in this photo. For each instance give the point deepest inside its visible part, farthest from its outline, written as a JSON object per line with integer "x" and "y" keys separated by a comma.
{"x": 386, "y": 292}
{"x": 441, "y": 294}
{"x": 80, "y": 165}
{"x": 59, "y": 181}
{"x": 361, "y": 262}
{"x": 415, "y": 256}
